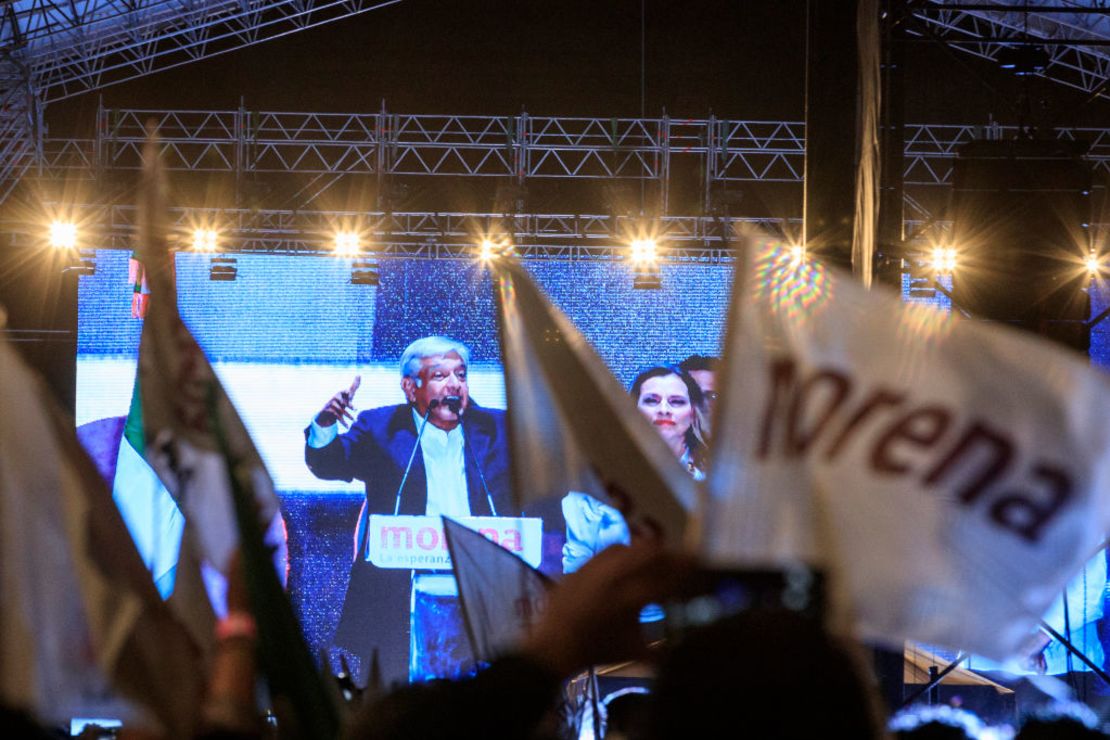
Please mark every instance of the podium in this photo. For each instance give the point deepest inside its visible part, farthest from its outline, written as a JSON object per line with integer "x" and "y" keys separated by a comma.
{"x": 438, "y": 646}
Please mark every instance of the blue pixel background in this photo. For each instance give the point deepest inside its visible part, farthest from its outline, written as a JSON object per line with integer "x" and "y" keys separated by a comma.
{"x": 292, "y": 330}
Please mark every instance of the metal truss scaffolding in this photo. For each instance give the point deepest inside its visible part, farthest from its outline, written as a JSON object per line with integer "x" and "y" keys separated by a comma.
{"x": 336, "y": 145}
{"x": 20, "y": 126}
{"x": 519, "y": 147}
{"x": 73, "y": 46}
{"x": 1073, "y": 33}
{"x": 55, "y": 49}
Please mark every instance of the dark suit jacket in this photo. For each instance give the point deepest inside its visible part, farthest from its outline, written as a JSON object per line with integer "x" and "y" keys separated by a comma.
{"x": 375, "y": 450}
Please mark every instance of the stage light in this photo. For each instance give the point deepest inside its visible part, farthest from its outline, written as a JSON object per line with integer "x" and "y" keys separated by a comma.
{"x": 82, "y": 263}
{"x": 943, "y": 260}
{"x": 364, "y": 271}
{"x": 1093, "y": 263}
{"x": 347, "y": 244}
{"x": 490, "y": 249}
{"x": 486, "y": 250}
{"x": 63, "y": 235}
{"x": 223, "y": 269}
{"x": 642, "y": 251}
{"x": 647, "y": 278}
{"x": 797, "y": 254}
{"x": 205, "y": 240}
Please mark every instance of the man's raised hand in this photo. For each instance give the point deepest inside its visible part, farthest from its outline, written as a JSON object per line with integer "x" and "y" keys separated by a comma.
{"x": 339, "y": 407}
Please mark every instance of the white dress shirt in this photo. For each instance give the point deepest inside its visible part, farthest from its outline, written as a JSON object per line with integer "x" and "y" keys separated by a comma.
{"x": 445, "y": 468}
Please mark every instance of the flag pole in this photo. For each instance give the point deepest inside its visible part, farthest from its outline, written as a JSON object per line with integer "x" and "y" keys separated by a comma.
{"x": 935, "y": 681}
{"x": 1073, "y": 650}
{"x": 595, "y": 702}
{"x": 278, "y": 629}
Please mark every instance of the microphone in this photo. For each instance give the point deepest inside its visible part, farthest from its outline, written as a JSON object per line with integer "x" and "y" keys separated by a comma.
{"x": 482, "y": 478}
{"x": 412, "y": 456}
{"x": 455, "y": 404}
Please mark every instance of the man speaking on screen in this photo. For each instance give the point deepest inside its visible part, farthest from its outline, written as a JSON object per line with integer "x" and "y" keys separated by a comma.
{"x": 439, "y": 453}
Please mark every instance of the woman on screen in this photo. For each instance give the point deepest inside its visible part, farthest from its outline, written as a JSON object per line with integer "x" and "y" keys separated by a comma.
{"x": 672, "y": 401}
{"x": 674, "y": 404}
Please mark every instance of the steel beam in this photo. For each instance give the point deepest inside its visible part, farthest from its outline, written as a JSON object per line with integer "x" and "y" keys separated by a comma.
{"x": 73, "y": 46}
{"x": 1075, "y": 41}
{"x": 240, "y": 141}
{"x": 20, "y": 126}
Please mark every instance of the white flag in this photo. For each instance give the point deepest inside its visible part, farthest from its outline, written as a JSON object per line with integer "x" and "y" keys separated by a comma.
{"x": 81, "y": 625}
{"x": 569, "y": 417}
{"x": 950, "y": 475}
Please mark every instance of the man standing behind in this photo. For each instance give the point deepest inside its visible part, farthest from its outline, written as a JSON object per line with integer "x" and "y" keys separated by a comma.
{"x": 457, "y": 467}
{"x": 703, "y": 370}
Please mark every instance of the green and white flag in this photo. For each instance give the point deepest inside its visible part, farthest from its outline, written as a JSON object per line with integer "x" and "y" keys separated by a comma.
{"x": 200, "y": 448}
{"x": 147, "y": 507}
{"x": 183, "y": 404}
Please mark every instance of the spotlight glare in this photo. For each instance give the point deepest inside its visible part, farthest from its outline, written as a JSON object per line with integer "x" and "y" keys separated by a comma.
{"x": 643, "y": 251}
{"x": 491, "y": 249}
{"x": 205, "y": 240}
{"x": 63, "y": 235}
{"x": 347, "y": 243}
{"x": 1093, "y": 263}
{"x": 797, "y": 254}
{"x": 486, "y": 251}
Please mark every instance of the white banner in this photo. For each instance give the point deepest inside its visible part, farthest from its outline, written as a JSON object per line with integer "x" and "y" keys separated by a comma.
{"x": 951, "y": 475}
{"x": 501, "y": 597}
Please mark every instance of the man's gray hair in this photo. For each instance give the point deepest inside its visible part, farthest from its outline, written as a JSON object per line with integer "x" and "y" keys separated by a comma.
{"x": 430, "y": 347}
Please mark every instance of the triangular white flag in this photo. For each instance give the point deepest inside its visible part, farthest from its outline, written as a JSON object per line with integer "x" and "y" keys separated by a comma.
{"x": 570, "y": 419}
{"x": 501, "y": 595}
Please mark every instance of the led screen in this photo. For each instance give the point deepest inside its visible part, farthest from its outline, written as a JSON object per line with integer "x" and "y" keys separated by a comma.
{"x": 291, "y": 331}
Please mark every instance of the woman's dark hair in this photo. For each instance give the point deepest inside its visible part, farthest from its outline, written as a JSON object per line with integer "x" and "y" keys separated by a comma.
{"x": 697, "y": 436}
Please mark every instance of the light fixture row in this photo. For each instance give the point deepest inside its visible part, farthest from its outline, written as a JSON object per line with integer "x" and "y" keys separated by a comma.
{"x": 945, "y": 260}
{"x": 348, "y": 244}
